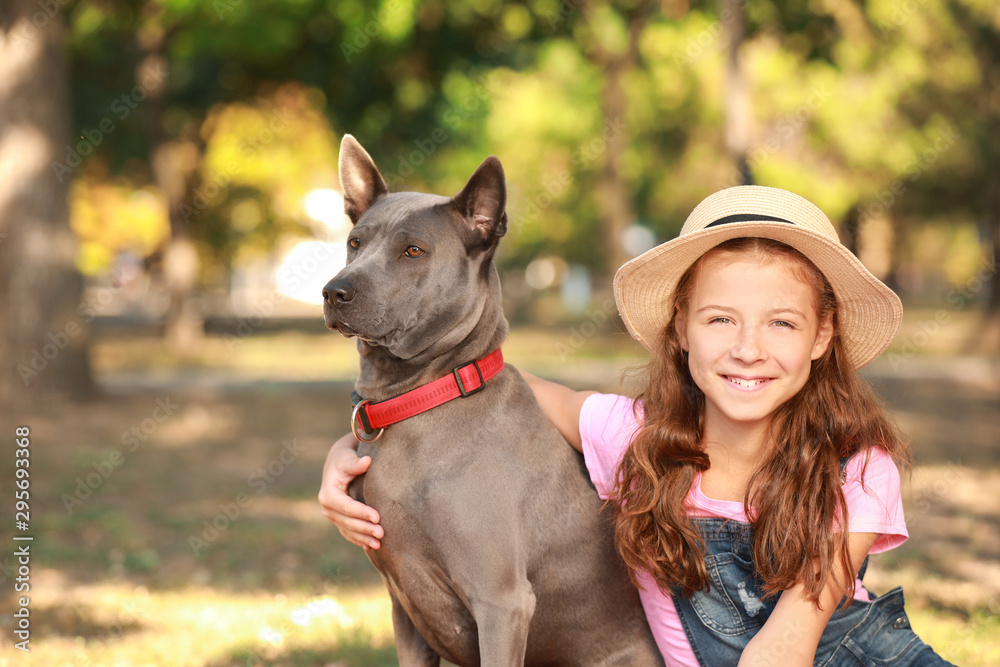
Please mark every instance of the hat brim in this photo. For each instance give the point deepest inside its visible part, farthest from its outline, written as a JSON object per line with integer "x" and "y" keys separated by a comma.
{"x": 868, "y": 312}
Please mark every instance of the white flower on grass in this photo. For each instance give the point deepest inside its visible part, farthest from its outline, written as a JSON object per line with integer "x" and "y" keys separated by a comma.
{"x": 322, "y": 608}
{"x": 271, "y": 636}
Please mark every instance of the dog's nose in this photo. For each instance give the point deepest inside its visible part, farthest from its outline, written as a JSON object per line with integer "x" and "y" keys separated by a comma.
{"x": 338, "y": 291}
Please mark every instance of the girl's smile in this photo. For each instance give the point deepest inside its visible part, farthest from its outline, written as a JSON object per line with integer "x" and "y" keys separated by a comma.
{"x": 751, "y": 331}
{"x": 747, "y": 384}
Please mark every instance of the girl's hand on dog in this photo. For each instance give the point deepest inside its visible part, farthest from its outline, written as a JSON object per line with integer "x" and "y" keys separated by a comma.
{"x": 357, "y": 522}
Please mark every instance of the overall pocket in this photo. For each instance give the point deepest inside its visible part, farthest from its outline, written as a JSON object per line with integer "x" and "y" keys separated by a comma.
{"x": 873, "y": 634}
{"x": 734, "y": 604}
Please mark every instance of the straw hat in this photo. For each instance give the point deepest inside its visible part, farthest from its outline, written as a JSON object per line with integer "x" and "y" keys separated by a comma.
{"x": 868, "y": 312}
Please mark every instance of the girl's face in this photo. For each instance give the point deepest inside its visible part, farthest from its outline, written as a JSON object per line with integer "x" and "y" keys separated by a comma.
{"x": 751, "y": 330}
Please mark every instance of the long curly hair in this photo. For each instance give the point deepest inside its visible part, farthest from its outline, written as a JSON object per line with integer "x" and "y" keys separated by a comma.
{"x": 795, "y": 493}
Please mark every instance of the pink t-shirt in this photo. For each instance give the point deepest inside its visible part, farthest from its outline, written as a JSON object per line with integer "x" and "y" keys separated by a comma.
{"x": 608, "y": 425}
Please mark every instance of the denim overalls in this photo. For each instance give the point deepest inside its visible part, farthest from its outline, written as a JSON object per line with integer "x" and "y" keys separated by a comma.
{"x": 721, "y": 621}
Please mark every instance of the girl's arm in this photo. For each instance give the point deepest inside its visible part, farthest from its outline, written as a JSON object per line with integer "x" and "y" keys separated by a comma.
{"x": 561, "y": 405}
{"x": 357, "y": 522}
{"x": 792, "y": 632}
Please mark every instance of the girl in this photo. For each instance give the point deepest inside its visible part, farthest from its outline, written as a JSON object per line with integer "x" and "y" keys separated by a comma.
{"x": 756, "y": 471}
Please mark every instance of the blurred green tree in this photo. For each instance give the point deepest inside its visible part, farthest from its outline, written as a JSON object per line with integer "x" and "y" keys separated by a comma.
{"x": 155, "y": 71}
{"x": 605, "y": 114}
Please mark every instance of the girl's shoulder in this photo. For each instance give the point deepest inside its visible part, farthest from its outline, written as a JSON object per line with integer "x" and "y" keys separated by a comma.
{"x": 872, "y": 492}
{"x": 610, "y": 417}
{"x": 869, "y": 466}
{"x": 608, "y": 423}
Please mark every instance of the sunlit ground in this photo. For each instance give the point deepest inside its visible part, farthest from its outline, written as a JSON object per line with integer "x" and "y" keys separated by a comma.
{"x": 119, "y": 624}
{"x": 205, "y": 546}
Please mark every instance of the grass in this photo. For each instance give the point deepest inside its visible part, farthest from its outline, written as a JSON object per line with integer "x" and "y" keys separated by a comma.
{"x": 120, "y": 578}
{"x": 970, "y": 642}
{"x": 122, "y": 624}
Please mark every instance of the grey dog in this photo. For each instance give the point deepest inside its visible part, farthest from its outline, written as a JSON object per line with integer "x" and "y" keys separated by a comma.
{"x": 497, "y": 550}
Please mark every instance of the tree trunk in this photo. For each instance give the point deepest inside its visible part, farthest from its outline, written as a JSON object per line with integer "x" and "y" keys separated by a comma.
{"x": 850, "y": 229}
{"x": 614, "y": 200}
{"x": 987, "y": 338}
{"x": 185, "y": 323}
{"x": 897, "y": 253}
{"x": 993, "y": 302}
{"x": 737, "y": 103}
{"x": 989, "y": 334}
{"x": 43, "y": 325}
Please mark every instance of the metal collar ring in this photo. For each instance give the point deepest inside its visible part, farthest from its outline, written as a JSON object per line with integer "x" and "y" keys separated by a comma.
{"x": 354, "y": 425}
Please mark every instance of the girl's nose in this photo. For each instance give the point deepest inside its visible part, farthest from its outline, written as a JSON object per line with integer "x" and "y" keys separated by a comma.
{"x": 747, "y": 346}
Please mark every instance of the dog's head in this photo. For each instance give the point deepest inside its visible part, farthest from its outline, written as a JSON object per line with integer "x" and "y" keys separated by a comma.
{"x": 417, "y": 264}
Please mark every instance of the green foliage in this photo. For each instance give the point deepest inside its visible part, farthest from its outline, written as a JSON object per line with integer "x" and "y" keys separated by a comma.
{"x": 874, "y": 111}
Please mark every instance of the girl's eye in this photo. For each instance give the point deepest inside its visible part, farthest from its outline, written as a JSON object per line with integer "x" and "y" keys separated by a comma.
{"x": 784, "y": 324}
{"x": 721, "y": 320}
{"x": 414, "y": 251}
{"x": 354, "y": 242}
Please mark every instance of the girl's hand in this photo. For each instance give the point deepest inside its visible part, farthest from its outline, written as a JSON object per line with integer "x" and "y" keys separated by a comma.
{"x": 357, "y": 522}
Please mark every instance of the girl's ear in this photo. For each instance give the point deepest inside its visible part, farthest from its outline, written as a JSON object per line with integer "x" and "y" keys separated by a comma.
{"x": 823, "y": 337}
{"x": 680, "y": 328}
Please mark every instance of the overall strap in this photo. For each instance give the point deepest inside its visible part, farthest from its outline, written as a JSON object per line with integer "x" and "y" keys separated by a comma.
{"x": 843, "y": 468}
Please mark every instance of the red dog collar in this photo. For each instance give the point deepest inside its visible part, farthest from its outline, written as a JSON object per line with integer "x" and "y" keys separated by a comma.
{"x": 370, "y": 419}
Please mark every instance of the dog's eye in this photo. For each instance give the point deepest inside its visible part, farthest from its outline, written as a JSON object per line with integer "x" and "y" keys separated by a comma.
{"x": 354, "y": 242}
{"x": 414, "y": 251}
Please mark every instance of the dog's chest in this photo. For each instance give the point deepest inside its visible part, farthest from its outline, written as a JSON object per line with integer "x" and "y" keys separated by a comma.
{"x": 392, "y": 485}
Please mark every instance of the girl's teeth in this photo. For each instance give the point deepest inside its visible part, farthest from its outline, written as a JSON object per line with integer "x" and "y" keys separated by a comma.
{"x": 749, "y": 384}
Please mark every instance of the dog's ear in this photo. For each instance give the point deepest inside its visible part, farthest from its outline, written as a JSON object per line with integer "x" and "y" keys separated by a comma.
{"x": 360, "y": 179}
{"x": 483, "y": 200}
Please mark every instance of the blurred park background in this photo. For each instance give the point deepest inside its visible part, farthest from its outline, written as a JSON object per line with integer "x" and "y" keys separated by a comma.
{"x": 169, "y": 212}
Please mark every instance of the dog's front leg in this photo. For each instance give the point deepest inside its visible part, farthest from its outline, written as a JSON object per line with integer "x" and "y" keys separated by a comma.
{"x": 411, "y": 647}
{"x": 503, "y": 626}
